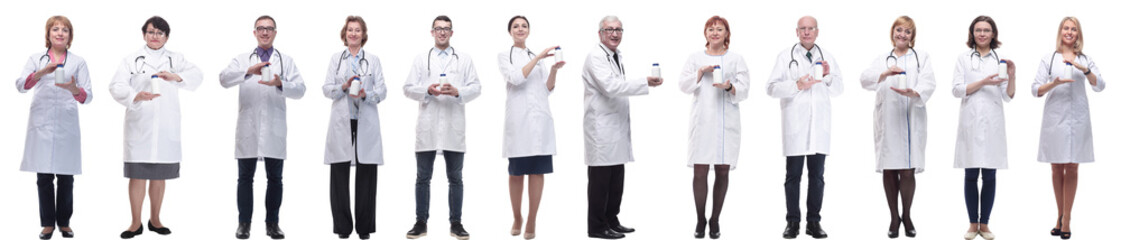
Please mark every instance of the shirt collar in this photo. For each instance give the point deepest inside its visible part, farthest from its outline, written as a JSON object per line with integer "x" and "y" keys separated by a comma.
{"x": 608, "y": 51}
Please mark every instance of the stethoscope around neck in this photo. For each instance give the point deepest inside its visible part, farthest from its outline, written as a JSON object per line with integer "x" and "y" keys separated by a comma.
{"x": 977, "y": 64}
{"x": 608, "y": 55}
{"x": 140, "y": 61}
{"x": 891, "y": 60}
{"x": 278, "y": 56}
{"x": 47, "y": 55}
{"x": 527, "y": 53}
{"x": 794, "y": 60}
{"x": 1051, "y": 63}
{"x": 363, "y": 64}
{"x": 429, "y": 66}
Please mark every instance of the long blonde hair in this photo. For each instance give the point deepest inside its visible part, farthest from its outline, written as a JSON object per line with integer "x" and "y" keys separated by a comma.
{"x": 1077, "y": 42}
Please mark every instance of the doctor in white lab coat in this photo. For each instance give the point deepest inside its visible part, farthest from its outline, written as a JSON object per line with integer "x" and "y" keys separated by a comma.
{"x": 1066, "y": 138}
{"x": 529, "y": 141}
{"x": 354, "y": 130}
{"x": 806, "y": 120}
{"x": 262, "y": 125}
{"x": 981, "y": 142}
{"x": 714, "y": 121}
{"x": 53, "y": 147}
{"x": 443, "y": 81}
{"x": 903, "y": 80}
{"x": 152, "y": 150}
{"x": 607, "y": 128}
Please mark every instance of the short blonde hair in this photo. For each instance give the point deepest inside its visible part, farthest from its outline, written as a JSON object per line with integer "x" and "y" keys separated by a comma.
{"x": 1077, "y": 43}
{"x": 361, "y": 23}
{"x": 906, "y": 22}
{"x": 58, "y": 20}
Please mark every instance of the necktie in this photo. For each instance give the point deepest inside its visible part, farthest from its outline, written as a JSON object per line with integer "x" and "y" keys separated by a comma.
{"x": 616, "y": 56}
{"x": 810, "y": 56}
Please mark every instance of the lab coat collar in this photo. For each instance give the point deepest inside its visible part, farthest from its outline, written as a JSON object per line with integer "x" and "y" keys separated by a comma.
{"x": 153, "y": 53}
{"x": 992, "y": 54}
{"x": 608, "y": 50}
{"x": 361, "y": 53}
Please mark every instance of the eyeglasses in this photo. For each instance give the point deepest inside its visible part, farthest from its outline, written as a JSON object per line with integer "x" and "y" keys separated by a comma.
{"x": 156, "y": 33}
{"x": 442, "y": 29}
{"x": 266, "y": 29}
{"x": 612, "y": 30}
{"x": 807, "y": 29}
{"x": 982, "y": 30}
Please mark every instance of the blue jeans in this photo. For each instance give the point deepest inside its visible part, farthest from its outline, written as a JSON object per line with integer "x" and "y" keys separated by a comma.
{"x": 274, "y": 169}
{"x": 454, "y": 164}
{"x": 985, "y": 200}
{"x": 816, "y": 164}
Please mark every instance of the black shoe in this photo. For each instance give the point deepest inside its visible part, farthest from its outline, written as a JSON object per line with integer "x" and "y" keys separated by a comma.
{"x": 363, "y": 236}
{"x": 1057, "y": 232}
{"x": 606, "y": 234}
{"x": 419, "y": 230}
{"x": 66, "y": 234}
{"x": 344, "y": 236}
{"x": 458, "y": 232}
{"x": 161, "y": 231}
{"x": 242, "y": 231}
{"x": 129, "y": 234}
{"x": 814, "y": 230}
{"x": 699, "y": 233}
{"x": 272, "y": 229}
{"x": 46, "y": 235}
{"x": 791, "y": 230}
{"x": 714, "y": 230}
{"x": 622, "y": 229}
{"x": 1064, "y": 235}
{"x": 893, "y": 229}
{"x": 909, "y": 228}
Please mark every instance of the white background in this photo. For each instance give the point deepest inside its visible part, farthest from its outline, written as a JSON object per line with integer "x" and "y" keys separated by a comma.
{"x": 658, "y": 200}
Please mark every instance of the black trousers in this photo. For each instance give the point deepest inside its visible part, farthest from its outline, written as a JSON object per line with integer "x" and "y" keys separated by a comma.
{"x": 55, "y": 208}
{"x": 274, "y": 193}
{"x": 605, "y": 194}
{"x": 365, "y": 193}
{"x": 816, "y": 164}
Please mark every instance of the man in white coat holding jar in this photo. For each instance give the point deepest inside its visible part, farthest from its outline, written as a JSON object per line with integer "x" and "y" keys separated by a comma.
{"x": 265, "y": 79}
{"x": 804, "y": 78}
{"x": 607, "y": 128}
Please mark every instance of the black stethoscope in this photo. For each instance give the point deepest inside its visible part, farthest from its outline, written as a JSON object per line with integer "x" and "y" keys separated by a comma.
{"x": 278, "y": 56}
{"x": 429, "y": 66}
{"x": 608, "y": 54}
{"x": 363, "y": 65}
{"x": 527, "y": 52}
{"x": 977, "y": 64}
{"x": 47, "y": 55}
{"x": 1052, "y": 62}
{"x": 140, "y": 61}
{"x": 794, "y": 61}
{"x": 891, "y": 60}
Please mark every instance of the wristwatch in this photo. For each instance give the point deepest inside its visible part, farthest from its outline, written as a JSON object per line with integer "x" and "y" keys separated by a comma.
{"x": 729, "y": 89}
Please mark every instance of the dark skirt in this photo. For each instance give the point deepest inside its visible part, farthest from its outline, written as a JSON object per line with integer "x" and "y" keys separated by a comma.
{"x": 152, "y": 171}
{"x": 531, "y": 165}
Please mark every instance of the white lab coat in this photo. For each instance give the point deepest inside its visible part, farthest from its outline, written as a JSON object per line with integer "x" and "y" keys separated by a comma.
{"x": 607, "y": 120}
{"x": 714, "y": 121}
{"x": 899, "y": 122}
{"x": 262, "y": 125}
{"x": 982, "y": 142}
{"x": 529, "y": 122}
{"x": 54, "y": 139}
{"x": 1066, "y": 135}
{"x": 441, "y": 122}
{"x": 339, "y": 146}
{"x": 806, "y": 114}
{"x": 152, "y": 127}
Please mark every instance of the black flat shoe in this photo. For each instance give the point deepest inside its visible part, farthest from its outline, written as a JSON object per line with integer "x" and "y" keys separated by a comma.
{"x": 791, "y": 230}
{"x": 363, "y": 236}
{"x": 66, "y": 234}
{"x": 699, "y": 233}
{"x": 242, "y": 231}
{"x": 606, "y": 234}
{"x": 419, "y": 230}
{"x": 459, "y": 232}
{"x": 1064, "y": 235}
{"x": 622, "y": 229}
{"x": 46, "y": 235}
{"x": 129, "y": 234}
{"x": 273, "y": 230}
{"x": 344, "y": 236}
{"x": 161, "y": 231}
{"x": 714, "y": 230}
{"x": 814, "y": 230}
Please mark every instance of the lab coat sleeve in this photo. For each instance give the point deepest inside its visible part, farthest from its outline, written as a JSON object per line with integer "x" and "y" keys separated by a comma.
{"x": 741, "y": 80}
{"x": 926, "y": 83}
{"x": 959, "y": 84}
{"x": 82, "y": 79}
{"x": 870, "y": 78}
{"x": 377, "y": 94}
{"x": 333, "y": 83}
{"x": 600, "y": 71}
{"x": 1041, "y": 77}
{"x": 472, "y": 88}
{"x": 1094, "y": 70}
{"x": 234, "y": 74}
{"x": 415, "y": 88}
{"x": 512, "y": 74}
{"x": 688, "y": 82}
{"x": 779, "y": 85}
{"x": 833, "y": 81}
{"x": 190, "y": 73}
{"x": 28, "y": 69}
{"x": 292, "y": 85}
{"x": 121, "y": 89}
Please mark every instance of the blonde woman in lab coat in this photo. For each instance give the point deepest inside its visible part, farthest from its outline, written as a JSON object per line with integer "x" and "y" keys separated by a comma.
{"x": 354, "y": 130}
{"x": 903, "y": 80}
{"x": 152, "y": 149}
{"x": 529, "y": 141}
{"x": 714, "y": 122}
{"x": 981, "y": 140}
{"x": 53, "y": 147}
{"x": 1066, "y": 139}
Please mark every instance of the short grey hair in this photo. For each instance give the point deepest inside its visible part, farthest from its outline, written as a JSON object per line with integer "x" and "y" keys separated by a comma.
{"x": 608, "y": 18}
